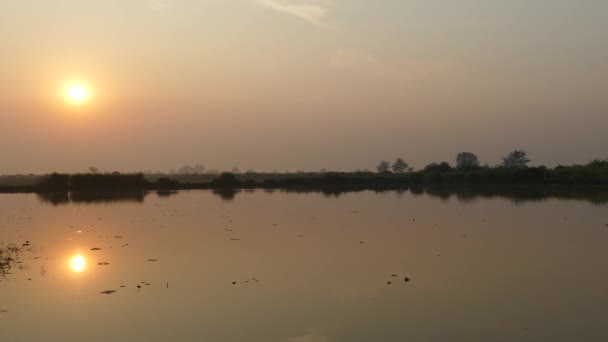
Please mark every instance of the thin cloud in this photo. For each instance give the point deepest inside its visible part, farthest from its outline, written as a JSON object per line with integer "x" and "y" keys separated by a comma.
{"x": 312, "y": 11}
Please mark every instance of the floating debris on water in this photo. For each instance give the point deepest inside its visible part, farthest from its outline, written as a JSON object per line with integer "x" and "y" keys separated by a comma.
{"x": 254, "y": 279}
{"x": 152, "y": 259}
{"x": 406, "y": 279}
{"x": 108, "y": 292}
{"x": 103, "y": 263}
{"x": 117, "y": 236}
{"x": 95, "y": 249}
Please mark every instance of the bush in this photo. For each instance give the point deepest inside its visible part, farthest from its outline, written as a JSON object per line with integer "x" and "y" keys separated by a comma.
{"x": 226, "y": 179}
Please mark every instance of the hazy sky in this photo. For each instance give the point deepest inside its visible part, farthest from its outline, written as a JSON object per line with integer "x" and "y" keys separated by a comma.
{"x": 300, "y": 84}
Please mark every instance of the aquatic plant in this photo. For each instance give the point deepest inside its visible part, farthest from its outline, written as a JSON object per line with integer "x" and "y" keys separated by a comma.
{"x": 10, "y": 255}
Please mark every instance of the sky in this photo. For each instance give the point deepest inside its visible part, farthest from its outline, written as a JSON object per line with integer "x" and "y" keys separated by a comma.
{"x": 299, "y": 84}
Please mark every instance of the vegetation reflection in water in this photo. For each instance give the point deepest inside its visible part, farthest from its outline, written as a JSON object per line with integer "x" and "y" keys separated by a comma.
{"x": 517, "y": 194}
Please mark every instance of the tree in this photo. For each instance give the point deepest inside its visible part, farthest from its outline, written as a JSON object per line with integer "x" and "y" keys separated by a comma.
{"x": 466, "y": 161}
{"x": 185, "y": 170}
{"x": 383, "y": 166}
{"x": 515, "y": 160}
{"x": 438, "y": 167}
{"x": 93, "y": 169}
{"x": 189, "y": 170}
{"x": 226, "y": 179}
{"x": 598, "y": 163}
{"x": 400, "y": 166}
{"x": 199, "y": 168}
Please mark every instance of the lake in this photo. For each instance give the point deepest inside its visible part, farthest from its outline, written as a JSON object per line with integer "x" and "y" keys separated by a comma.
{"x": 303, "y": 267}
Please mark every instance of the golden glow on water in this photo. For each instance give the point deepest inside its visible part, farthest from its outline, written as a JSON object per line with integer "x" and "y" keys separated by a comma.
{"x": 78, "y": 263}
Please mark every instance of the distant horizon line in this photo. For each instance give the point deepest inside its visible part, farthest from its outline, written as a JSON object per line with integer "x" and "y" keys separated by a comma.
{"x": 236, "y": 170}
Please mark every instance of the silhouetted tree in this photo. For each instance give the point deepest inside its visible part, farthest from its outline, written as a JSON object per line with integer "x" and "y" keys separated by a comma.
{"x": 226, "y": 179}
{"x": 400, "y": 166}
{"x": 598, "y": 163}
{"x": 383, "y": 166}
{"x": 189, "y": 170}
{"x": 516, "y": 159}
{"x": 438, "y": 167}
{"x": 55, "y": 181}
{"x": 466, "y": 161}
{"x": 93, "y": 169}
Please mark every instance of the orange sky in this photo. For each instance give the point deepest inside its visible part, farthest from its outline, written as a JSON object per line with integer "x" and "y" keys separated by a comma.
{"x": 300, "y": 84}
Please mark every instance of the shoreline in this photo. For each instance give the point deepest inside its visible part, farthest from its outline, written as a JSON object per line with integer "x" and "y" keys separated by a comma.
{"x": 531, "y": 178}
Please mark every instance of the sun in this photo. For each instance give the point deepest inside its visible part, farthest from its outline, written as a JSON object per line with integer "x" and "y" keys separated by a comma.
{"x": 77, "y": 93}
{"x": 78, "y": 263}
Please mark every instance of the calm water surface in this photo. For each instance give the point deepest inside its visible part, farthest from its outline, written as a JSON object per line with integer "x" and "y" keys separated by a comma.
{"x": 304, "y": 268}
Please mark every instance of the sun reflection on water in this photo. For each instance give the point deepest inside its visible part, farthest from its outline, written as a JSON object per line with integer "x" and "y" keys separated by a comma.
{"x": 78, "y": 263}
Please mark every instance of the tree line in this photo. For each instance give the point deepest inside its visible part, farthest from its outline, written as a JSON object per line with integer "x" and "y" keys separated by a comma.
{"x": 465, "y": 161}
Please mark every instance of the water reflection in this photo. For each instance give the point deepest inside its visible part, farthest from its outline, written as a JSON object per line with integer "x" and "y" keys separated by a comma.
{"x": 227, "y": 194}
{"x": 321, "y": 268}
{"x": 517, "y": 194}
{"x": 78, "y": 263}
{"x": 462, "y": 194}
{"x": 166, "y": 193}
{"x": 61, "y": 198}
